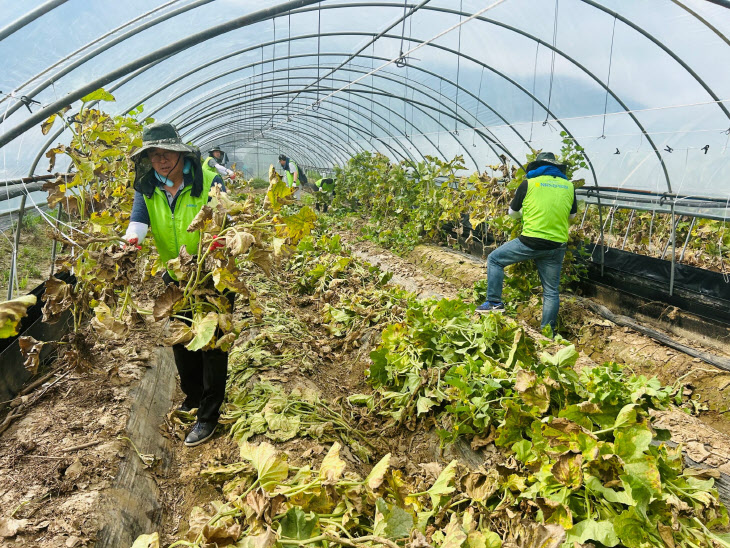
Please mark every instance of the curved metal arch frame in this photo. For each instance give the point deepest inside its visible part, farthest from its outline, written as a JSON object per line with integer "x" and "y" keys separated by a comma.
{"x": 86, "y": 46}
{"x": 563, "y": 54}
{"x": 48, "y": 82}
{"x": 29, "y": 17}
{"x": 384, "y": 129}
{"x": 275, "y": 148}
{"x": 365, "y": 135}
{"x": 406, "y": 153}
{"x": 420, "y": 69}
{"x": 344, "y": 148}
{"x": 410, "y": 86}
{"x": 219, "y": 111}
{"x": 313, "y": 155}
{"x": 231, "y": 25}
{"x": 167, "y": 51}
{"x": 405, "y": 135}
{"x": 505, "y": 77}
{"x": 592, "y": 3}
{"x": 291, "y": 141}
{"x": 386, "y": 145}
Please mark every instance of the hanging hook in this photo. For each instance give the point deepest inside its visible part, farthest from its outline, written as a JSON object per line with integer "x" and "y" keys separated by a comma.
{"x": 669, "y": 149}
{"x": 617, "y": 151}
{"x": 27, "y": 101}
{"x": 705, "y": 148}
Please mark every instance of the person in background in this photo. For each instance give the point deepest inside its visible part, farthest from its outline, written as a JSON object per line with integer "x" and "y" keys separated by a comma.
{"x": 171, "y": 187}
{"x": 295, "y": 177}
{"x": 214, "y": 163}
{"x": 546, "y": 202}
{"x": 325, "y": 189}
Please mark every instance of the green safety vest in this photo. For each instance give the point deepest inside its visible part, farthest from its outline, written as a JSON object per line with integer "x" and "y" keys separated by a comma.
{"x": 170, "y": 229}
{"x": 546, "y": 208}
{"x": 207, "y": 168}
{"x": 327, "y": 187}
{"x": 289, "y": 175}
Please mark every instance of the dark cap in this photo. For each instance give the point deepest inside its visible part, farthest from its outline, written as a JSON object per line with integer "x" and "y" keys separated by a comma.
{"x": 545, "y": 159}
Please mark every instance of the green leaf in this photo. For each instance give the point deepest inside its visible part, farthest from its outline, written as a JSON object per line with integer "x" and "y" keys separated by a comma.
{"x": 622, "y": 497}
{"x": 271, "y": 466}
{"x": 98, "y": 95}
{"x": 300, "y": 224}
{"x": 424, "y": 405}
{"x": 631, "y": 443}
{"x": 11, "y": 312}
{"x": 392, "y": 521}
{"x": 632, "y": 529}
{"x": 378, "y": 368}
{"x": 377, "y": 474}
{"x": 588, "y": 529}
{"x": 362, "y": 399}
{"x": 626, "y": 417}
{"x": 298, "y": 525}
{"x": 443, "y": 485}
{"x": 203, "y": 330}
{"x": 483, "y": 539}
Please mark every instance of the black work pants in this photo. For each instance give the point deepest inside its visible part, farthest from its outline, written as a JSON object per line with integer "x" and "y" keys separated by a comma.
{"x": 203, "y": 374}
{"x": 203, "y": 377}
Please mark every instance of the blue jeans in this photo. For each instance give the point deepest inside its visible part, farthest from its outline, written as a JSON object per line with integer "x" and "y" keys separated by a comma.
{"x": 549, "y": 264}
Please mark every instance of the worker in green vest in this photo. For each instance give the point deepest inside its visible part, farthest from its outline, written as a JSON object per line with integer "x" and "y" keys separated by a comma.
{"x": 215, "y": 163}
{"x": 325, "y": 189}
{"x": 171, "y": 188}
{"x": 295, "y": 177}
{"x": 545, "y": 201}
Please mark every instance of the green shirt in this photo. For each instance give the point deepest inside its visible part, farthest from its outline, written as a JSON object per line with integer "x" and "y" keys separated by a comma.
{"x": 546, "y": 208}
{"x": 326, "y": 184}
{"x": 169, "y": 228}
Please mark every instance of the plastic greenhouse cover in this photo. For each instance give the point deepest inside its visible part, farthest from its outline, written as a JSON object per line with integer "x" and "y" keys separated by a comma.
{"x": 636, "y": 83}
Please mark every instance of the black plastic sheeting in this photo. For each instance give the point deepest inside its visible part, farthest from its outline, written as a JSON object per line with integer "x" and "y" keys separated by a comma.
{"x": 13, "y": 374}
{"x": 712, "y": 285}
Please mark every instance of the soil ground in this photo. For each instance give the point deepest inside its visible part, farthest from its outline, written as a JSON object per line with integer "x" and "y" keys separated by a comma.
{"x": 51, "y": 491}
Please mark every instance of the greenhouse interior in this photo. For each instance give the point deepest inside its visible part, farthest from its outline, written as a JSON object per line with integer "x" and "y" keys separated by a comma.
{"x": 448, "y": 274}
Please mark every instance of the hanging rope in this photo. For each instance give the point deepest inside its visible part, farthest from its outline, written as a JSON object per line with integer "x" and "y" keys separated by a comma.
{"x": 552, "y": 62}
{"x": 458, "y": 70}
{"x": 534, "y": 79}
{"x": 319, "y": 42}
{"x": 288, "y": 67}
{"x": 608, "y": 80}
{"x": 479, "y": 104}
{"x": 402, "y": 61}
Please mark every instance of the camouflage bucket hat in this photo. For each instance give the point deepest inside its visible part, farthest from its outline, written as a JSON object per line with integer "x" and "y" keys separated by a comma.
{"x": 215, "y": 149}
{"x": 161, "y": 135}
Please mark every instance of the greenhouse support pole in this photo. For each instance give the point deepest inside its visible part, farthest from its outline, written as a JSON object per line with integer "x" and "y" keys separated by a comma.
{"x": 29, "y": 18}
{"x": 55, "y": 242}
{"x": 686, "y": 241}
{"x": 674, "y": 253}
{"x": 14, "y": 260}
{"x": 626, "y": 235}
{"x": 600, "y": 223}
